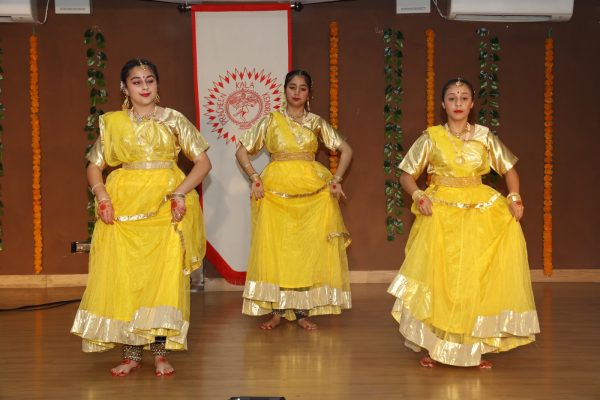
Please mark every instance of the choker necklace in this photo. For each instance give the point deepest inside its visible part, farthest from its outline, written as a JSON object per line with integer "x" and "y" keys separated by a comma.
{"x": 460, "y": 157}
{"x": 298, "y": 118}
{"x": 459, "y": 134}
{"x": 139, "y": 118}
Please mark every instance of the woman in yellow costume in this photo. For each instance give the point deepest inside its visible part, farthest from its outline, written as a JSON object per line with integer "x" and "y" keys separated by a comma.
{"x": 150, "y": 232}
{"x": 464, "y": 288}
{"x": 297, "y": 266}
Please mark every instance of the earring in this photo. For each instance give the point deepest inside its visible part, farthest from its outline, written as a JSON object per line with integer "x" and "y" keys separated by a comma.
{"x": 157, "y": 99}
{"x": 308, "y": 105}
{"x": 125, "y": 105}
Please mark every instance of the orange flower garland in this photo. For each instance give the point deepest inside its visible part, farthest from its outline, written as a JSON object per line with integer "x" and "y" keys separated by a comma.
{"x": 430, "y": 77}
{"x": 37, "y": 155}
{"x": 548, "y": 122}
{"x": 333, "y": 88}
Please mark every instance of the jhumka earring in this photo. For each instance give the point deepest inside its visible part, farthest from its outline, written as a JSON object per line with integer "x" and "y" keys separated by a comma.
{"x": 157, "y": 99}
{"x": 308, "y": 105}
{"x": 125, "y": 105}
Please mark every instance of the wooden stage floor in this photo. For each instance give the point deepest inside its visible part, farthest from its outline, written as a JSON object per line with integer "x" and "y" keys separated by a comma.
{"x": 358, "y": 355}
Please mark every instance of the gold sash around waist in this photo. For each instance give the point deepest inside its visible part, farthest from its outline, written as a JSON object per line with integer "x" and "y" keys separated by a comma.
{"x": 452, "y": 181}
{"x": 302, "y": 156}
{"x": 148, "y": 165}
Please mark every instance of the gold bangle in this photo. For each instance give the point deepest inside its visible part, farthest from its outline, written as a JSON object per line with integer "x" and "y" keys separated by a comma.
{"x": 513, "y": 196}
{"x": 337, "y": 179}
{"x": 176, "y": 194}
{"x": 253, "y": 176}
{"x": 95, "y": 186}
{"x": 104, "y": 200}
{"x": 418, "y": 194}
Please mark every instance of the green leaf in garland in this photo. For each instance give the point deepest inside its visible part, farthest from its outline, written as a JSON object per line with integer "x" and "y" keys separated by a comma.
{"x": 100, "y": 40}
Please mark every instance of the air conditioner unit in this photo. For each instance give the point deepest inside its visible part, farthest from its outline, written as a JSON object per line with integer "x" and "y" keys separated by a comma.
{"x": 510, "y": 10}
{"x": 18, "y": 10}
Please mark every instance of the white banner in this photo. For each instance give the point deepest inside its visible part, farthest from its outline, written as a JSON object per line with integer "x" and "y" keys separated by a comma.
{"x": 242, "y": 53}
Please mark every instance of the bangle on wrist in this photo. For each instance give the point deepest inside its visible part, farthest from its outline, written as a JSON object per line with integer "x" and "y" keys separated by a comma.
{"x": 418, "y": 195}
{"x": 173, "y": 195}
{"x": 513, "y": 197}
{"x": 104, "y": 200}
{"x": 95, "y": 186}
{"x": 254, "y": 177}
{"x": 337, "y": 179}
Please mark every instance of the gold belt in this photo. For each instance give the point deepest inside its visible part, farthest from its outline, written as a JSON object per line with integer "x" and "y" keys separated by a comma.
{"x": 148, "y": 165}
{"x": 303, "y": 156}
{"x": 452, "y": 181}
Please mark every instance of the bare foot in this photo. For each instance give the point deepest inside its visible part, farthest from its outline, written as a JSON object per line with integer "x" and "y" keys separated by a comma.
{"x": 427, "y": 362}
{"x": 271, "y": 323}
{"x": 485, "y": 364}
{"x": 125, "y": 367}
{"x": 307, "y": 324}
{"x": 163, "y": 368}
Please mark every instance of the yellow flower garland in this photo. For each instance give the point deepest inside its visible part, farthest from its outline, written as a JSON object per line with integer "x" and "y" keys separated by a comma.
{"x": 333, "y": 88}
{"x": 548, "y": 167}
{"x": 37, "y": 155}
{"x": 430, "y": 77}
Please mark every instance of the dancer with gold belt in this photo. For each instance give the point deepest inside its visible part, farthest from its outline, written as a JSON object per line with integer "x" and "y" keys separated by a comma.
{"x": 150, "y": 233}
{"x": 464, "y": 288}
{"x": 297, "y": 266}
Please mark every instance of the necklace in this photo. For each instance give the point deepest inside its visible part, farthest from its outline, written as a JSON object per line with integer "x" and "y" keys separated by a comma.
{"x": 460, "y": 157}
{"x": 293, "y": 127}
{"x": 139, "y": 118}
{"x": 298, "y": 118}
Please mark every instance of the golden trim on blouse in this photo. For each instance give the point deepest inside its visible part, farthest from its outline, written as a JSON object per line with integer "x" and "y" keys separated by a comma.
{"x": 148, "y": 165}
{"x": 458, "y": 182}
{"x": 438, "y": 151}
{"x": 301, "y": 156}
{"x": 295, "y": 196}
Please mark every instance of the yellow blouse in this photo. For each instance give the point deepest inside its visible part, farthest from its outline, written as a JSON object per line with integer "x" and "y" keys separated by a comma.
{"x": 446, "y": 155}
{"x": 122, "y": 140}
{"x": 295, "y": 138}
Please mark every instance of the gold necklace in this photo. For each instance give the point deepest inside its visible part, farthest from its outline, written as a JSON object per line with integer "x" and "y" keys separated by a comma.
{"x": 139, "y": 118}
{"x": 460, "y": 157}
{"x": 298, "y": 118}
{"x": 297, "y": 136}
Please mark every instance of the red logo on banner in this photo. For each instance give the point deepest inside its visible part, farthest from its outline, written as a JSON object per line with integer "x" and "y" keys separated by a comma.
{"x": 239, "y": 99}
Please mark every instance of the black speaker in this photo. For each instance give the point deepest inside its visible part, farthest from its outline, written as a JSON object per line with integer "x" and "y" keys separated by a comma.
{"x": 256, "y": 398}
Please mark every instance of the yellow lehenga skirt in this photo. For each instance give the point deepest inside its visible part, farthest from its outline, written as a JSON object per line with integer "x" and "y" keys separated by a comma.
{"x": 138, "y": 283}
{"x": 298, "y": 250}
{"x": 464, "y": 288}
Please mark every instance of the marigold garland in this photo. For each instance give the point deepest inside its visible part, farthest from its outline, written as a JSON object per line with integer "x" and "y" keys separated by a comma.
{"x": 548, "y": 165}
{"x": 333, "y": 88}
{"x": 37, "y": 154}
{"x": 430, "y": 76}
